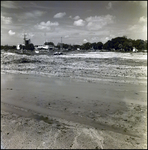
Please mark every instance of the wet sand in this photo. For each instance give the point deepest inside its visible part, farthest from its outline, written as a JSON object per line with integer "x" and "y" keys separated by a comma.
{"x": 43, "y": 112}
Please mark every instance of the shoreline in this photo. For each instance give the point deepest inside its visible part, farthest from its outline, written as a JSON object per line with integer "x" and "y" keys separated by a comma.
{"x": 102, "y": 109}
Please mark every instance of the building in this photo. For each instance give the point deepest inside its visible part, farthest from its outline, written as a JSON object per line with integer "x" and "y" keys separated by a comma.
{"x": 135, "y": 50}
{"x": 18, "y": 46}
{"x": 44, "y": 47}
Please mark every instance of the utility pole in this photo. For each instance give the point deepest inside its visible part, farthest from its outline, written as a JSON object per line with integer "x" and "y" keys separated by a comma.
{"x": 24, "y": 38}
{"x": 61, "y": 43}
{"x": 44, "y": 37}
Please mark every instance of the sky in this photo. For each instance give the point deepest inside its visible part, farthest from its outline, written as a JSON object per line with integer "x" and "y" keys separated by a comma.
{"x": 72, "y": 22}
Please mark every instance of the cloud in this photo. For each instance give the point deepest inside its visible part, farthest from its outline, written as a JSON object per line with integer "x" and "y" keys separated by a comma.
{"x": 10, "y": 32}
{"x": 98, "y": 22}
{"x": 28, "y": 15}
{"x": 30, "y": 35}
{"x": 33, "y": 14}
{"x": 38, "y": 13}
{"x": 46, "y": 25}
{"x": 109, "y": 6}
{"x": 144, "y": 29}
{"x": 143, "y": 19}
{"x": 60, "y": 15}
{"x": 85, "y": 41}
{"x": 76, "y": 17}
{"x": 70, "y": 16}
{"x": 6, "y": 20}
{"x": 94, "y": 39}
{"x": 66, "y": 36}
{"x": 8, "y": 4}
{"x": 133, "y": 27}
{"x": 142, "y": 3}
{"x": 138, "y": 28}
{"x": 79, "y": 22}
{"x": 107, "y": 38}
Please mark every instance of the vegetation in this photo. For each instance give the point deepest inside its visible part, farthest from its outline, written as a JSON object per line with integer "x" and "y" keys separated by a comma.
{"x": 122, "y": 44}
{"x": 49, "y": 43}
{"x": 7, "y": 47}
{"x": 116, "y": 44}
{"x": 28, "y": 47}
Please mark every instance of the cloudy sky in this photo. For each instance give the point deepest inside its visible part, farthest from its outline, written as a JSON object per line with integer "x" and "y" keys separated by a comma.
{"x": 76, "y": 22}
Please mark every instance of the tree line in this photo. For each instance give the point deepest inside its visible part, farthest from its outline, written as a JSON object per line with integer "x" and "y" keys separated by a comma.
{"x": 14, "y": 47}
{"x": 125, "y": 44}
{"x": 115, "y": 44}
{"x": 7, "y": 47}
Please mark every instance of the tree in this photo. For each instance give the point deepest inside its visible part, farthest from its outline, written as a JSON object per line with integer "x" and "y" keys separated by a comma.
{"x": 76, "y": 46}
{"x": 126, "y": 46}
{"x": 124, "y": 36}
{"x": 65, "y": 46}
{"x": 2, "y": 47}
{"x": 29, "y": 47}
{"x": 146, "y": 44}
{"x": 99, "y": 45}
{"x": 119, "y": 43}
{"x": 93, "y": 45}
{"x": 140, "y": 44}
{"x": 14, "y": 47}
{"x": 86, "y": 46}
{"x": 49, "y": 43}
{"x": 120, "y": 46}
{"x": 108, "y": 45}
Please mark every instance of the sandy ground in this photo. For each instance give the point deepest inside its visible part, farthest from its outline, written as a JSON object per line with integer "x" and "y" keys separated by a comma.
{"x": 40, "y": 112}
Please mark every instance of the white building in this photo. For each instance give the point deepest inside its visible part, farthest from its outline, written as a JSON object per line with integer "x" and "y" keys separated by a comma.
{"x": 134, "y": 49}
{"x": 44, "y": 47}
{"x": 18, "y": 46}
